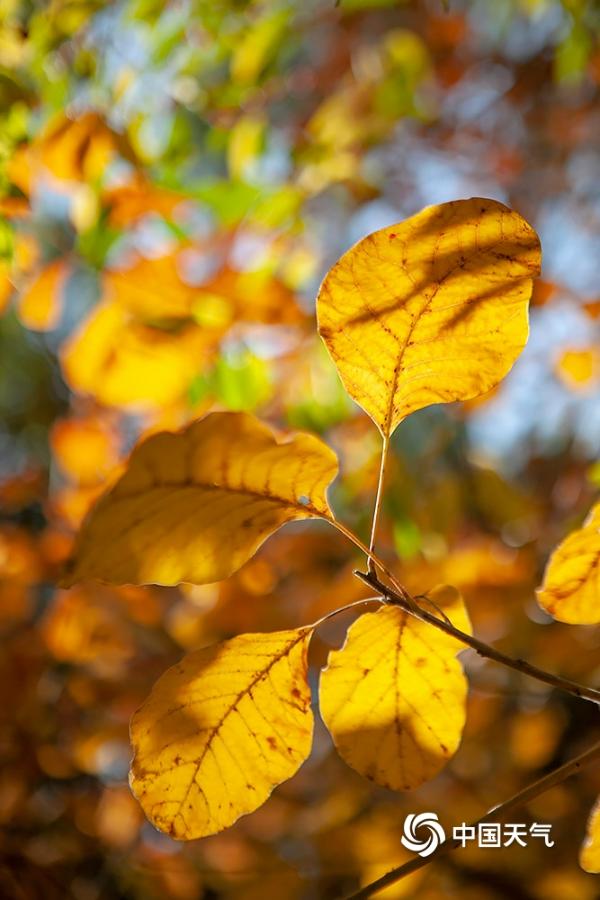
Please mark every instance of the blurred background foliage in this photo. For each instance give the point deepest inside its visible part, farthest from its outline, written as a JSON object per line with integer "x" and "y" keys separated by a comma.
{"x": 175, "y": 179}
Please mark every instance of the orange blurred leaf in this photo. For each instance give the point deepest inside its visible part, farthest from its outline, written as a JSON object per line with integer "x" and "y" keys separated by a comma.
{"x": 40, "y": 304}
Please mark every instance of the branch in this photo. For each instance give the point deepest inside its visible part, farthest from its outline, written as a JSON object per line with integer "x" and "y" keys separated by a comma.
{"x": 484, "y": 650}
{"x": 497, "y": 812}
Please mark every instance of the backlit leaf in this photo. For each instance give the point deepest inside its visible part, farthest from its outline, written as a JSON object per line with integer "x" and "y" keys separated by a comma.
{"x": 571, "y": 587}
{"x": 589, "y": 857}
{"x": 394, "y": 697}
{"x": 195, "y": 505}
{"x": 220, "y": 730}
{"x": 431, "y": 310}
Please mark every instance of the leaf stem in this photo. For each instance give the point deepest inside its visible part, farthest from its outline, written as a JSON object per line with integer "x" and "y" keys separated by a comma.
{"x": 496, "y": 812}
{"x": 402, "y": 592}
{"x": 341, "y": 609}
{"x": 484, "y": 650}
{"x": 378, "y": 501}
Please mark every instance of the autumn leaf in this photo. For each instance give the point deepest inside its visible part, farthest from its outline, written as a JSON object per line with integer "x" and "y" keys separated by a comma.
{"x": 195, "y": 505}
{"x": 220, "y": 730}
{"x": 571, "y": 587}
{"x": 138, "y": 198}
{"x": 40, "y": 304}
{"x": 151, "y": 289}
{"x": 589, "y": 856}
{"x": 431, "y": 310}
{"x": 124, "y": 363}
{"x": 579, "y": 369}
{"x": 6, "y": 287}
{"x": 84, "y": 448}
{"x": 394, "y": 697}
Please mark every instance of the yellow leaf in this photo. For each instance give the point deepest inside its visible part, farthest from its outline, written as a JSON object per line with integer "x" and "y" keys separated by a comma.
{"x": 196, "y": 504}
{"x": 122, "y": 362}
{"x": 589, "y": 856}
{"x": 220, "y": 730}
{"x": 431, "y": 310}
{"x": 394, "y": 697}
{"x": 571, "y": 587}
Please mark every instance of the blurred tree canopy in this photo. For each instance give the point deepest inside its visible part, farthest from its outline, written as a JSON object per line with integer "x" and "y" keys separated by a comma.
{"x": 175, "y": 180}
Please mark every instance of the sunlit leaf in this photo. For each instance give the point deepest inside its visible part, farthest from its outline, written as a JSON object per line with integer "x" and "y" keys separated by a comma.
{"x": 220, "y": 730}
{"x": 571, "y": 587}
{"x": 195, "y": 505}
{"x": 431, "y": 310}
{"x": 393, "y": 698}
{"x": 589, "y": 856}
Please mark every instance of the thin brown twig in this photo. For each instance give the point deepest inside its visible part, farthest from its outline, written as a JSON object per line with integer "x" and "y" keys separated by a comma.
{"x": 484, "y": 650}
{"x": 497, "y": 812}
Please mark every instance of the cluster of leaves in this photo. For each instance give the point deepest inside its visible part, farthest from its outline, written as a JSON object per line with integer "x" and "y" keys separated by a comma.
{"x": 433, "y": 309}
{"x": 174, "y": 179}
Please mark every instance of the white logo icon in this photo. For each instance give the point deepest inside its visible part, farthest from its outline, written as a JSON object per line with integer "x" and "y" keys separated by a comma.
{"x": 414, "y": 823}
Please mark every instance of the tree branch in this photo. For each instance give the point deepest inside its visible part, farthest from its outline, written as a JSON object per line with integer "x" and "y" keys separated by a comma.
{"x": 497, "y": 812}
{"x": 484, "y": 650}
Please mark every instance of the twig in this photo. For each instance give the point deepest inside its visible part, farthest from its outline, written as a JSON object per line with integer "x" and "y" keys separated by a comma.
{"x": 484, "y": 650}
{"x": 497, "y": 812}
